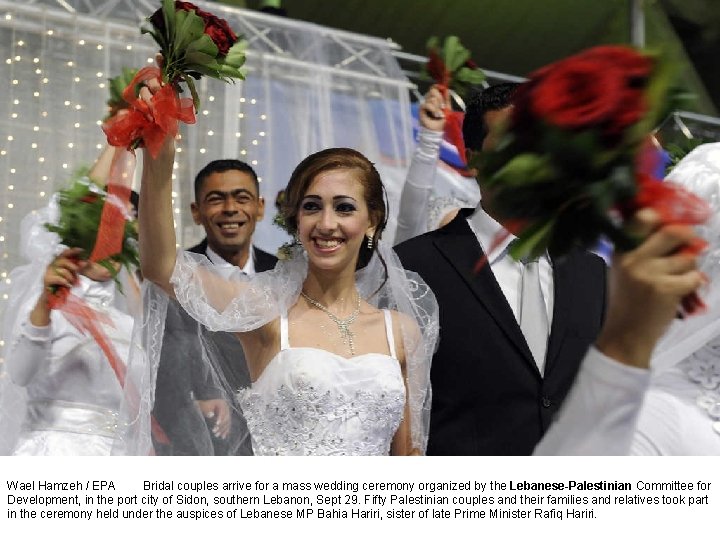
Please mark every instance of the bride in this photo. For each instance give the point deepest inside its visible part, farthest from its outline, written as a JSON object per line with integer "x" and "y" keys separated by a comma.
{"x": 338, "y": 353}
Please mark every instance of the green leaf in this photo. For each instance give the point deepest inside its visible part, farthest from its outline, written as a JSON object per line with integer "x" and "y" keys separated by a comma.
{"x": 168, "y": 11}
{"x": 433, "y": 43}
{"x": 236, "y": 55}
{"x": 455, "y": 55}
{"x": 469, "y": 75}
{"x": 190, "y": 27}
{"x": 213, "y": 72}
{"x": 203, "y": 44}
{"x": 232, "y": 71}
{"x": 159, "y": 38}
{"x": 193, "y": 91}
{"x": 201, "y": 58}
{"x": 522, "y": 170}
{"x": 533, "y": 241}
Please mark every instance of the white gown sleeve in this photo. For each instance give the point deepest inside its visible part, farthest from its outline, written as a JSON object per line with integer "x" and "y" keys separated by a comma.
{"x": 600, "y": 414}
{"x": 419, "y": 183}
{"x": 27, "y": 353}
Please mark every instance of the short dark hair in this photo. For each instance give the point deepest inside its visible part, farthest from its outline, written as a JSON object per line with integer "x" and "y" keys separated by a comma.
{"x": 134, "y": 198}
{"x": 492, "y": 98}
{"x": 135, "y": 201}
{"x": 224, "y": 165}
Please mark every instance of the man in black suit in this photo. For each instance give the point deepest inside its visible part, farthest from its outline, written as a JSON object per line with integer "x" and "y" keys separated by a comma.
{"x": 491, "y": 396}
{"x": 194, "y": 402}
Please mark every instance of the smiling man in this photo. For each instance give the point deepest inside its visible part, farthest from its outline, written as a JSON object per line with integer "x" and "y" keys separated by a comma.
{"x": 198, "y": 414}
{"x": 228, "y": 205}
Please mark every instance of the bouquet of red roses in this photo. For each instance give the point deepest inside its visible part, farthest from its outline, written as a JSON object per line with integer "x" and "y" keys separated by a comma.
{"x": 192, "y": 43}
{"x": 452, "y": 69}
{"x": 575, "y": 159}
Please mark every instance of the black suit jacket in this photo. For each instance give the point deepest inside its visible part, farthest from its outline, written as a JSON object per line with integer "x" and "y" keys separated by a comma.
{"x": 489, "y": 397}
{"x": 183, "y": 377}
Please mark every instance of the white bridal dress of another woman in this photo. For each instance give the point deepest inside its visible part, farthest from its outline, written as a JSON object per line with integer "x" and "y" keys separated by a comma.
{"x": 58, "y": 393}
{"x": 673, "y": 408}
{"x": 310, "y": 401}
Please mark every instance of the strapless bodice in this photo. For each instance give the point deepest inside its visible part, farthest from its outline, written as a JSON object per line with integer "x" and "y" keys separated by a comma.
{"x": 313, "y": 402}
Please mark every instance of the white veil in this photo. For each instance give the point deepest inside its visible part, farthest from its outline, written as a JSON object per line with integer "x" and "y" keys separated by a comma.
{"x": 698, "y": 172}
{"x": 225, "y": 300}
{"x": 23, "y": 287}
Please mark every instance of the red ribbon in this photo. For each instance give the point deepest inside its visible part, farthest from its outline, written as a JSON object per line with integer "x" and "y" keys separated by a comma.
{"x": 148, "y": 123}
{"x": 674, "y": 204}
{"x": 111, "y": 229}
{"x": 453, "y": 119}
{"x": 87, "y": 321}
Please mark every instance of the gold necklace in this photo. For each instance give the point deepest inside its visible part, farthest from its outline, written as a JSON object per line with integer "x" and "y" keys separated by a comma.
{"x": 343, "y": 324}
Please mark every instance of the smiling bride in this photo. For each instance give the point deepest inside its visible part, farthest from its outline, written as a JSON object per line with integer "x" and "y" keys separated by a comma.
{"x": 338, "y": 338}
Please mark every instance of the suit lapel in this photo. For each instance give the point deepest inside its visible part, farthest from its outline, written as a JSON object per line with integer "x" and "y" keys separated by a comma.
{"x": 263, "y": 260}
{"x": 460, "y": 247}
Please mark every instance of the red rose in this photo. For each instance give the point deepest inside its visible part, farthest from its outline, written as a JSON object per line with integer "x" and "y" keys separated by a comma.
{"x": 601, "y": 88}
{"x": 215, "y": 27}
{"x": 577, "y": 94}
{"x": 632, "y": 63}
{"x": 220, "y": 32}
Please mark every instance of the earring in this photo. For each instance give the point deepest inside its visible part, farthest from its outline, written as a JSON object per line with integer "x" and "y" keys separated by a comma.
{"x": 370, "y": 242}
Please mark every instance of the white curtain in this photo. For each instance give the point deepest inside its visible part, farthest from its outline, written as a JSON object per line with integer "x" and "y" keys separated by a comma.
{"x": 308, "y": 88}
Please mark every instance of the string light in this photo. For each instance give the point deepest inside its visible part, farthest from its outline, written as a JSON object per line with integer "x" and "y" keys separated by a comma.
{"x": 39, "y": 82}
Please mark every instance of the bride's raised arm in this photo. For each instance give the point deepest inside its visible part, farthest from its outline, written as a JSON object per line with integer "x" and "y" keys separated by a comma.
{"x": 158, "y": 250}
{"x": 221, "y": 302}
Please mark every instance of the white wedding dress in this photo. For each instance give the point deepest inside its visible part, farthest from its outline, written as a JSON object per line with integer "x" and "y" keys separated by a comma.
{"x": 71, "y": 394}
{"x": 310, "y": 401}
{"x": 306, "y": 401}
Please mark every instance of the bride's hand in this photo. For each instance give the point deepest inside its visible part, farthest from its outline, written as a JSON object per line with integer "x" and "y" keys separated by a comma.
{"x": 166, "y": 157}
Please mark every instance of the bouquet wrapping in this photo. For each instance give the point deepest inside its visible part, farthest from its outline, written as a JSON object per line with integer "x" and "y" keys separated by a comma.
{"x": 192, "y": 43}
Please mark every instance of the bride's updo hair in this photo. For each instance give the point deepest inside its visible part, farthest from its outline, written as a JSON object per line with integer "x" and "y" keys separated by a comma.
{"x": 333, "y": 159}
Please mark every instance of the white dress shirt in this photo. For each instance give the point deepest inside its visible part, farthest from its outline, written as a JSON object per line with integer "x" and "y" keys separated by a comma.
{"x": 615, "y": 409}
{"x": 507, "y": 271}
{"x": 217, "y": 260}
